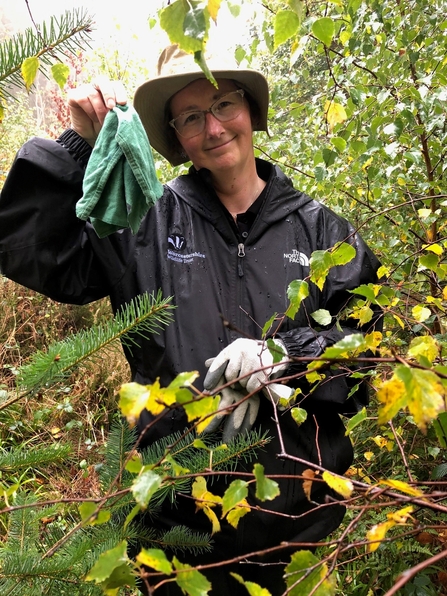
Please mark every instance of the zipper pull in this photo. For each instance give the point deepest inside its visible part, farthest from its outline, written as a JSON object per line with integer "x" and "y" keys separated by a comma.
{"x": 240, "y": 254}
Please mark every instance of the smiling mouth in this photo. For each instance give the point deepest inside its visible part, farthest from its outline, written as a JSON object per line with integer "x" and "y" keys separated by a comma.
{"x": 218, "y": 146}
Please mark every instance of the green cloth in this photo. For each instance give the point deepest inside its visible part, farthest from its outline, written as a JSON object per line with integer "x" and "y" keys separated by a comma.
{"x": 120, "y": 184}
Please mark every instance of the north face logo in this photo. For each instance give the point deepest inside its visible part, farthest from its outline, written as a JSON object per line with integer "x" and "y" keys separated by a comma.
{"x": 176, "y": 242}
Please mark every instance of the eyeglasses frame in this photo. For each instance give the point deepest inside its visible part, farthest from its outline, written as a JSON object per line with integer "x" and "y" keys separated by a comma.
{"x": 205, "y": 112}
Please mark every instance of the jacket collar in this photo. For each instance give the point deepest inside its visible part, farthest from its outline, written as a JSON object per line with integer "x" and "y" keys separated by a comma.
{"x": 281, "y": 198}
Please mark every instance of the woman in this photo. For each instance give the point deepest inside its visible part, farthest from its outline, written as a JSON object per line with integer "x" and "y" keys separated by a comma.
{"x": 225, "y": 240}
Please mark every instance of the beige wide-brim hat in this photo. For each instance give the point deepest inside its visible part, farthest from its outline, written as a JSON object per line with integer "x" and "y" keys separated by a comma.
{"x": 176, "y": 69}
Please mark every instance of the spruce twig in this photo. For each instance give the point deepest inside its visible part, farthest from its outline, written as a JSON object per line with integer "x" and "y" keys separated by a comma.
{"x": 144, "y": 315}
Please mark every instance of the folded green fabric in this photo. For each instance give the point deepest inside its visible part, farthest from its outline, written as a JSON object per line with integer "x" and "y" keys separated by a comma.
{"x": 120, "y": 184}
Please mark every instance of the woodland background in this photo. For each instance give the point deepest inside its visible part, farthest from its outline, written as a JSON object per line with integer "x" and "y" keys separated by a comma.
{"x": 358, "y": 121}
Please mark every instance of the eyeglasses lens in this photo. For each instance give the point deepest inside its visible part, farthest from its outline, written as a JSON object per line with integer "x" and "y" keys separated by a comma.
{"x": 226, "y": 108}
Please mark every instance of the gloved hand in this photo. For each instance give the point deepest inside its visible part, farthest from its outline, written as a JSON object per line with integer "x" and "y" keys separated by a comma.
{"x": 241, "y": 362}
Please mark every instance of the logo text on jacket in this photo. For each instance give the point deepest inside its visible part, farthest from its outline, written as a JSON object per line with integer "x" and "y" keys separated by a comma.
{"x": 297, "y": 257}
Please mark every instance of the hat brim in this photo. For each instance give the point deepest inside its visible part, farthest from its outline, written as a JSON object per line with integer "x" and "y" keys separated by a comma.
{"x": 151, "y": 99}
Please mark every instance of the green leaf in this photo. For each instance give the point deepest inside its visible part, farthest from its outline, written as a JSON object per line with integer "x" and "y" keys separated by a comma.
{"x": 156, "y": 559}
{"x": 120, "y": 577}
{"x": 301, "y": 562}
{"x": 324, "y": 30}
{"x": 145, "y": 486}
{"x": 87, "y": 510}
{"x": 235, "y": 493}
{"x": 344, "y": 348}
{"x": 297, "y": 291}
{"x": 134, "y": 464}
{"x": 171, "y": 20}
{"x": 275, "y": 350}
{"x": 201, "y": 407}
{"x": 195, "y": 22}
{"x": 190, "y": 580}
{"x": 322, "y": 316}
{"x": 299, "y": 415}
{"x": 107, "y": 562}
{"x": 343, "y": 253}
{"x": 29, "y": 69}
{"x": 367, "y": 291}
{"x": 339, "y": 143}
{"x": 133, "y": 400}
{"x": 60, "y": 73}
{"x": 252, "y": 588}
{"x": 424, "y": 346}
{"x": 285, "y": 26}
{"x": 356, "y": 420}
{"x": 185, "y": 379}
{"x": 440, "y": 426}
{"x": 320, "y": 263}
{"x": 268, "y": 325}
{"x": 266, "y": 489}
{"x": 135, "y": 511}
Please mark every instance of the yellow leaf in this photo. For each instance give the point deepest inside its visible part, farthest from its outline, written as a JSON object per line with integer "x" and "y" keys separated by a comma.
{"x": 215, "y": 524}
{"x": 383, "y": 272}
{"x": 159, "y": 398}
{"x": 436, "y": 248}
{"x": 372, "y": 340}
{"x": 237, "y": 512}
{"x": 369, "y": 455}
{"x": 132, "y": 401}
{"x": 380, "y": 441}
{"x": 213, "y": 8}
{"x": 444, "y": 293}
{"x": 424, "y": 394}
{"x": 342, "y": 486}
{"x": 401, "y": 516}
{"x": 392, "y": 398}
{"x": 399, "y": 320}
{"x": 29, "y": 69}
{"x": 335, "y": 113}
{"x": 424, "y": 345}
{"x": 421, "y": 313}
{"x": 377, "y": 533}
{"x": 424, "y": 213}
{"x": 208, "y": 405}
{"x": 403, "y": 487}
{"x": 206, "y": 500}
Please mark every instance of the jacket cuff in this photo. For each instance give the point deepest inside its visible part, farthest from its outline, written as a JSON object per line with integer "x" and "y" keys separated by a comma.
{"x": 78, "y": 148}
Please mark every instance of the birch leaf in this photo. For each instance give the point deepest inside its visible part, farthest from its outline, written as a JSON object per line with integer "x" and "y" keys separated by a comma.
{"x": 342, "y": 486}
{"x": 376, "y": 535}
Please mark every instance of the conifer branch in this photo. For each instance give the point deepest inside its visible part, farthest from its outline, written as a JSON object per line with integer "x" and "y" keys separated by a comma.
{"x": 68, "y": 33}
{"x": 143, "y": 316}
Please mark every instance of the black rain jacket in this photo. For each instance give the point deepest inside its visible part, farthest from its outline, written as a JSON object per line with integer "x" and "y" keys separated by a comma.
{"x": 187, "y": 247}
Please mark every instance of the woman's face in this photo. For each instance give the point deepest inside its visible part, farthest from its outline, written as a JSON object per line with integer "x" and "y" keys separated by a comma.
{"x": 222, "y": 145}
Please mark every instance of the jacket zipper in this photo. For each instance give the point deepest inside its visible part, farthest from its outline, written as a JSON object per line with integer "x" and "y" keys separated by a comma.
{"x": 241, "y": 255}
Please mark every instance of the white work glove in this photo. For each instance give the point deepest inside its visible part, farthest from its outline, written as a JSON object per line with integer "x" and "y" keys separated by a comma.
{"x": 249, "y": 365}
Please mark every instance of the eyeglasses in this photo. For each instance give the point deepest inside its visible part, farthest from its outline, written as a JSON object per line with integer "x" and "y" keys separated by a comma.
{"x": 227, "y": 107}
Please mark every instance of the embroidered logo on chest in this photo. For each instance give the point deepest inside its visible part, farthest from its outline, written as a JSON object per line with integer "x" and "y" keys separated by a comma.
{"x": 297, "y": 257}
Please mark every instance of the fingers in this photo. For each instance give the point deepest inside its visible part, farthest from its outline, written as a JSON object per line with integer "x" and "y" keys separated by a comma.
{"x": 228, "y": 398}
{"x": 90, "y": 103}
{"x": 214, "y": 375}
{"x": 241, "y": 419}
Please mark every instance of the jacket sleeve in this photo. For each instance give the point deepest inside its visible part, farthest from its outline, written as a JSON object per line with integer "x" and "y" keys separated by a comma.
{"x": 338, "y": 388}
{"x": 43, "y": 245}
